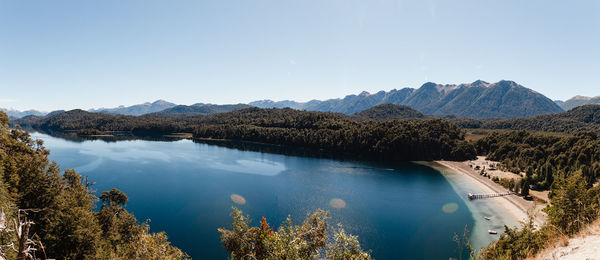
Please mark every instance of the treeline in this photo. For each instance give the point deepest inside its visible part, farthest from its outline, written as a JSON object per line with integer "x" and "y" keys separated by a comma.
{"x": 76, "y": 120}
{"x": 385, "y": 112}
{"x": 583, "y": 118}
{"x": 331, "y": 132}
{"x": 389, "y": 140}
{"x": 544, "y": 156}
{"x": 55, "y": 211}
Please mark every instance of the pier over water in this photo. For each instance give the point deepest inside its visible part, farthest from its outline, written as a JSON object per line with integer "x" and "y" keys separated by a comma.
{"x": 472, "y": 196}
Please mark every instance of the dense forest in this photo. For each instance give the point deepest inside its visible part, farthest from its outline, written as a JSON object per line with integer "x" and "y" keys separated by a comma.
{"x": 391, "y": 140}
{"x": 332, "y": 132}
{"x": 54, "y": 214}
{"x": 386, "y": 112}
{"x": 583, "y": 118}
{"x": 541, "y": 156}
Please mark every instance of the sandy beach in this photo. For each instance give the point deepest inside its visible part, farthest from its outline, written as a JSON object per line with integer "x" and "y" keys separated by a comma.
{"x": 516, "y": 206}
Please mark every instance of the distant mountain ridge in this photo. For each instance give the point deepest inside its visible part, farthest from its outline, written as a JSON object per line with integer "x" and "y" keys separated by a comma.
{"x": 478, "y": 100}
{"x": 577, "y": 101}
{"x": 137, "y": 110}
{"x": 504, "y": 99}
{"x": 200, "y": 109}
{"x": 14, "y": 114}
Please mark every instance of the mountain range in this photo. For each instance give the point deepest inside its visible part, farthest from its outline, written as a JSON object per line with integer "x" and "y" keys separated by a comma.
{"x": 577, "y": 101}
{"x": 479, "y": 100}
{"x": 136, "y": 110}
{"x": 12, "y": 114}
{"x": 504, "y": 99}
{"x": 199, "y": 109}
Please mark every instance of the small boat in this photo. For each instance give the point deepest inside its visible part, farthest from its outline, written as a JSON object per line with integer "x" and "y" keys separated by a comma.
{"x": 487, "y": 218}
{"x": 493, "y": 232}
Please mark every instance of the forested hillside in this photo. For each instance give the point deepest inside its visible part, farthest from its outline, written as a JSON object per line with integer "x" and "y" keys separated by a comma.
{"x": 336, "y": 133}
{"x": 385, "y": 112}
{"x": 583, "y": 118}
{"x": 55, "y": 210}
{"x": 542, "y": 156}
{"x": 395, "y": 140}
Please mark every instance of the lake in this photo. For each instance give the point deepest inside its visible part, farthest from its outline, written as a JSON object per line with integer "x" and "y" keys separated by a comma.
{"x": 398, "y": 210}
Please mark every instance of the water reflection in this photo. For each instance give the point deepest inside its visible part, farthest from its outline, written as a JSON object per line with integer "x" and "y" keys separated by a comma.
{"x": 259, "y": 167}
{"x": 112, "y": 137}
{"x": 136, "y": 153}
{"x": 91, "y": 166}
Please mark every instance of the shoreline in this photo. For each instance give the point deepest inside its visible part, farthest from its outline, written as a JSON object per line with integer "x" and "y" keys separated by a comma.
{"x": 514, "y": 205}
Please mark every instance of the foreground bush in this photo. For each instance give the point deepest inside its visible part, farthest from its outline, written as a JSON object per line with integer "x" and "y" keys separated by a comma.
{"x": 305, "y": 241}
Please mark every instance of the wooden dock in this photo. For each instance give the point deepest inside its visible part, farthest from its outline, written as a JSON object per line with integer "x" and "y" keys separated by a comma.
{"x": 472, "y": 196}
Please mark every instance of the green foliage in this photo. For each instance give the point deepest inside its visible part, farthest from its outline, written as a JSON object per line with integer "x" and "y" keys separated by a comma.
{"x": 579, "y": 119}
{"x": 387, "y": 112}
{"x": 143, "y": 245}
{"x": 7, "y": 210}
{"x": 573, "y": 205}
{"x": 62, "y": 207}
{"x": 517, "y": 243}
{"x": 113, "y": 198}
{"x": 392, "y": 140}
{"x": 290, "y": 241}
{"x": 72, "y": 231}
{"x": 543, "y": 156}
{"x": 525, "y": 187}
{"x": 118, "y": 225}
{"x": 345, "y": 246}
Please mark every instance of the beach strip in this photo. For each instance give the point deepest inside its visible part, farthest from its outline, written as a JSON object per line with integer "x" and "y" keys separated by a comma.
{"x": 514, "y": 205}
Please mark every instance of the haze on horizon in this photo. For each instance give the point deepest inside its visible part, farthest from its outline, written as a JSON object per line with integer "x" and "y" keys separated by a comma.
{"x": 90, "y": 54}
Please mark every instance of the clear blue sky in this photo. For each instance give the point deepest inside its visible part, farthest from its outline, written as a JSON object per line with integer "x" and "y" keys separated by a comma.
{"x": 104, "y": 53}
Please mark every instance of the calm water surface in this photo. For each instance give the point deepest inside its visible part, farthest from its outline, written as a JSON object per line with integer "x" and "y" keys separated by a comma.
{"x": 400, "y": 211}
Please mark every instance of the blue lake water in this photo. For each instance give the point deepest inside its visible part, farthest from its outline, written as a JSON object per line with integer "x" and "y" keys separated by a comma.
{"x": 399, "y": 211}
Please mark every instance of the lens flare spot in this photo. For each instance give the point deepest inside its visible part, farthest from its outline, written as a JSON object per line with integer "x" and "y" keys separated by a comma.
{"x": 237, "y": 199}
{"x": 450, "y": 208}
{"x": 337, "y": 203}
